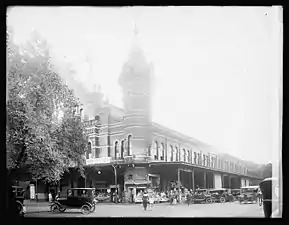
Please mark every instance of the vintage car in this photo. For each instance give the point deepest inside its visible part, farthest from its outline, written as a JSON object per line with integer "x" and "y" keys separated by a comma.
{"x": 102, "y": 197}
{"x": 221, "y": 195}
{"x": 236, "y": 193}
{"x": 248, "y": 194}
{"x": 271, "y": 200}
{"x": 19, "y": 196}
{"x": 83, "y": 198}
{"x": 201, "y": 196}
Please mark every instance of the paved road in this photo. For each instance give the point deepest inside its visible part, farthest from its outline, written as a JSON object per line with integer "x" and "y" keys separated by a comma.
{"x": 165, "y": 210}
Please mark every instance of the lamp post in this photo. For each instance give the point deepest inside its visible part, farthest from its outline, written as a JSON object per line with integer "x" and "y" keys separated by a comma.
{"x": 115, "y": 181}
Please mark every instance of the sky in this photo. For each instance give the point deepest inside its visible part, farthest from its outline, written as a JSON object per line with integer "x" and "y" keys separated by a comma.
{"x": 218, "y": 69}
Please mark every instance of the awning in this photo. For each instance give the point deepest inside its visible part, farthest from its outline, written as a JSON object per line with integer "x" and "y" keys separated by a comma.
{"x": 23, "y": 184}
{"x": 131, "y": 182}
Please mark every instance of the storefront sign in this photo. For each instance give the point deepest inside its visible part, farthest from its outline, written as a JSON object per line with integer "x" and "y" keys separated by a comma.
{"x": 98, "y": 160}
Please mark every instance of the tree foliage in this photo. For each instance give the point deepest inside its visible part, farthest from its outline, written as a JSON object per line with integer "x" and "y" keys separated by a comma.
{"x": 43, "y": 132}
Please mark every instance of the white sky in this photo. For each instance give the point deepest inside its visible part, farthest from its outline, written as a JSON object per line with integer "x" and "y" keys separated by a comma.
{"x": 217, "y": 68}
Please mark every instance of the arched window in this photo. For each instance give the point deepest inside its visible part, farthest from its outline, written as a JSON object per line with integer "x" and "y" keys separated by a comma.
{"x": 188, "y": 156}
{"x": 177, "y": 154}
{"x": 88, "y": 150}
{"x": 162, "y": 153}
{"x": 183, "y": 155}
{"x": 204, "y": 160}
{"x": 156, "y": 150}
{"x": 172, "y": 153}
{"x": 122, "y": 148}
{"x": 116, "y": 149}
{"x": 195, "y": 158}
{"x": 80, "y": 113}
{"x": 129, "y": 150}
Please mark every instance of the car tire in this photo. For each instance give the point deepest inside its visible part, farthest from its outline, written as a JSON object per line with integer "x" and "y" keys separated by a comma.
{"x": 222, "y": 200}
{"x": 62, "y": 209}
{"x": 85, "y": 209}
{"x": 54, "y": 208}
{"x": 209, "y": 200}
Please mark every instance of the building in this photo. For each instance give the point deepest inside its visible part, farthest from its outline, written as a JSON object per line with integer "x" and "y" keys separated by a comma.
{"x": 128, "y": 149}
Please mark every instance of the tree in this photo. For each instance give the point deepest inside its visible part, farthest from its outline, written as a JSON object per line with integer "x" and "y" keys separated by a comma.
{"x": 43, "y": 132}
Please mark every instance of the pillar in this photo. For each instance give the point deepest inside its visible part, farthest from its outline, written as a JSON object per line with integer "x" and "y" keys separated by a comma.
{"x": 193, "y": 179}
{"x": 214, "y": 185}
{"x": 179, "y": 174}
{"x": 223, "y": 181}
{"x": 205, "y": 181}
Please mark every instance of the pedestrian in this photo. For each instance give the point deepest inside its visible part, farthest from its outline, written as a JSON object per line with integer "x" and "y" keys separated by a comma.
{"x": 145, "y": 200}
{"x": 151, "y": 201}
{"x": 189, "y": 198}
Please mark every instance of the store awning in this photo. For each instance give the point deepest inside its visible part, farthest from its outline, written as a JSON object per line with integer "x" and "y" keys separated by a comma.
{"x": 131, "y": 182}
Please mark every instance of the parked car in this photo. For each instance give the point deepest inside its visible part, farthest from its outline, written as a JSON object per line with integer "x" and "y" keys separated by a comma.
{"x": 19, "y": 196}
{"x": 248, "y": 194}
{"x": 236, "y": 193}
{"x": 221, "y": 195}
{"x": 202, "y": 196}
{"x": 102, "y": 197}
{"x": 270, "y": 194}
{"x": 83, "y": 198}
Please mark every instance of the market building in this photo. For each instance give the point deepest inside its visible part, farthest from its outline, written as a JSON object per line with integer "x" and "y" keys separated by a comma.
{"x": 129, "y": 150}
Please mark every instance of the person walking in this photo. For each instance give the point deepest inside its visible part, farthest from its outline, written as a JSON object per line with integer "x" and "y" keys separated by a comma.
{"x": 189, "y": 198}
{"x": 151, "y": 201}
{"x": 145, "y": 198}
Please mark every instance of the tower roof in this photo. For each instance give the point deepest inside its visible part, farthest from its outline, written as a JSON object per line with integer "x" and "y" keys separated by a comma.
{"x": 135, "y": 59}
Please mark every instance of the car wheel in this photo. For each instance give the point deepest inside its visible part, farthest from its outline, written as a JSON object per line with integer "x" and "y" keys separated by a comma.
{"x": 54, "y": 208}
{"x": 85, "y": 209}
{"x": 62, "y": 209}
{"x": 208, "y": 200}
{"x": 222, "y": 200}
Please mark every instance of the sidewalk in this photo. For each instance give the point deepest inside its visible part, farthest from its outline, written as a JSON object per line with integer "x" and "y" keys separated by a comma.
{"x": 35, "y": 207}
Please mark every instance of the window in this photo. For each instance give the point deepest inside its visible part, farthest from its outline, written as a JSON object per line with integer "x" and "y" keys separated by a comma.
{"x": 122, "y": 148}
{"x": 177, "y": 154}
{"x": 88, "y": 150}
{"x": 129, "y": 151}
{"x": 183, "y": 155}
{"x": 130, "y": 177}
{"x": 189, "y": 156}
{"x": 172, "y": 153}
{"x": 116, "y": 149}
{"x": 199, "y": 158}
{"x": 208, "y": 161}
{"x": 156, "y": 151}
{"x": 195, "y": 158}
{"x": 162, "y": 153}
{"x": 204, "y": 160}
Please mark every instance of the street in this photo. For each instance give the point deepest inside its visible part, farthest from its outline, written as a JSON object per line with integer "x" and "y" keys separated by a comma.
{"x": 233, "y": 209}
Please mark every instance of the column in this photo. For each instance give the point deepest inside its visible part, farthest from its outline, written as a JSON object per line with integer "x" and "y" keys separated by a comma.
{"x": 214, "y": 185}
{"x": 205, "y": 180}
{"x": 193, "y": 179}
{"x": 223, "y": 181}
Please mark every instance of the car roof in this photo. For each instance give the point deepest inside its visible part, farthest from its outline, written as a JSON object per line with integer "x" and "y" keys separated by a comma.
{"x": 269, "y": 179}
{"x": 252, "y": 187}
{"x": 219, "y": 189}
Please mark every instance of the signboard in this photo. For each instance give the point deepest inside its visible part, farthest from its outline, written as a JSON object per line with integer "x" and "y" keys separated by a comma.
{"x": 98, "y": 160}
{"x": 91, "y": 123}
{"x": 32, "y": 191}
